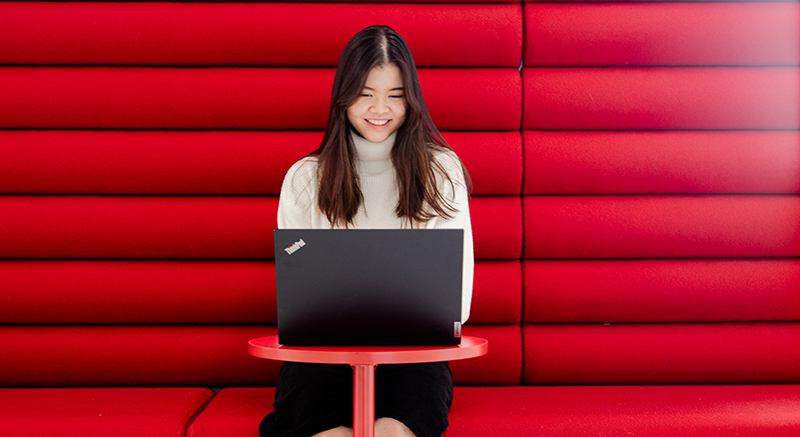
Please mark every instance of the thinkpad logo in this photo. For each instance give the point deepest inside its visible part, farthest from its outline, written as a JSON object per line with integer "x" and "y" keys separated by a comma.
{"x": 295, "y": 247}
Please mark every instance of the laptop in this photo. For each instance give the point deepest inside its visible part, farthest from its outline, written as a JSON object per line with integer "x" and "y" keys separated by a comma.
{"x": 359, "y": 287}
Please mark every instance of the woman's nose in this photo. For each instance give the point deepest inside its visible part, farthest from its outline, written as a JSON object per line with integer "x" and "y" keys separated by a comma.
{"x": 380, "y": 106}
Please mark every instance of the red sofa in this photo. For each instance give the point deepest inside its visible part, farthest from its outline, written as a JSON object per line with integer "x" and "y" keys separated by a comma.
{"x": 636, "y": 209}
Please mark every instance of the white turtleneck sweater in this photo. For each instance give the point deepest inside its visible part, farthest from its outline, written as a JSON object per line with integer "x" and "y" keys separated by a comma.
{"x": 298, "y": 202}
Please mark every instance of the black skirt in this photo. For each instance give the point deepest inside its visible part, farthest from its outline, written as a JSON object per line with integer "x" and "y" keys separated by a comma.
{"x": 311, "y": 398}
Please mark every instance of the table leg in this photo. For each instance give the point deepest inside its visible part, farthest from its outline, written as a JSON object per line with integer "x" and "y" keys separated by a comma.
{"x": 363, "y": 400}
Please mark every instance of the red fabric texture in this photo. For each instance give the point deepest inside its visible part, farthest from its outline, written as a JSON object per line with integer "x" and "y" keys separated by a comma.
{"x": 662, "y": 162}
{"x": 682, "y": 353}
{"x": 557, "y": 411}
{"x": 496, "y": 227}
{"x": 100, "y": 412}
{"x": 137, "y": 292}
{"x": 662, "y": 290}
{"x": 680, "y": 34}
{"x": 661, "y": 98}
{"x": 190, "y": 292}
{"x": 253, "y": 34}
{"x": 234, "y": 412}
{"x": 133, "y": 356}
{"x": 654, "y": 411}
{"x": 137, "y": 227}
{"x": 229, "y": 162}
{"x": 502, "y": 365}
{"x": 496, "y": 292}
{"x": 195, "y": 227}
{"x": 495, "y": 173}
{"x": 191, "y": 355}
{"x": 661, "y": 226}
{"x": 149, "y": 162}
{"x": 233, "y": 98}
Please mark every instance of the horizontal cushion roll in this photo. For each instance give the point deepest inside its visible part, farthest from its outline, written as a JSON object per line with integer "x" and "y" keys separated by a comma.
{"x": 707, "y": 226}
{"x": 678, "y": 34}
{"x": 133, "y": 356}
{"x": 662, "y": 162}
{"x": 213, "y": 162}
{"x": 143, "y": 98}
{"x": 81, "y": 412}
{"x": 137, "y": 227}
{"x": 653, "y": 411}
{"x": 705, "y": 353}
{"x": 253, "y": 34}
{"x": 662, "y": 98}
{"x": 192, "y": 227}
{"x": 191, "y": 355}
{"x": 662, "y": 290}
{"x": 190, "y": 292}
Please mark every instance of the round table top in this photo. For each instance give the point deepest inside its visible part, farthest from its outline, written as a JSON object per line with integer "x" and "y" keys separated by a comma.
{"x": 268, "y": 347}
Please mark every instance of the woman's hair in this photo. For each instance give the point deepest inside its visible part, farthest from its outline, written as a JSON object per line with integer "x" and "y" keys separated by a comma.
{"x": 417, "y": 141}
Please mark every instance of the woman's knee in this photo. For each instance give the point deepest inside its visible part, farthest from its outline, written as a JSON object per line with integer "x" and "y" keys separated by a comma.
{"x": 388, "y": 427}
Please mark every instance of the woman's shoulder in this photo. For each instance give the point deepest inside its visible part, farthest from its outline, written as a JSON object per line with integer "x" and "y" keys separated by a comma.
{"x": 304, "y": 168}
{"x": 449, "y": 161}
{"x": 300, "y": 174}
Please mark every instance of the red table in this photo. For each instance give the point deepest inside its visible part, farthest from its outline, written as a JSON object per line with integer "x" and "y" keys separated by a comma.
{"x": 363, "y": 360}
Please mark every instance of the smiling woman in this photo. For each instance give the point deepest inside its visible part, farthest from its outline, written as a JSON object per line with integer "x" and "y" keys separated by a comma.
{"x": 382, "y": 164}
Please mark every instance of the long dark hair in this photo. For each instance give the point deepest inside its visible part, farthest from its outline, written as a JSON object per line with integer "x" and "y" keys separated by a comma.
{"x": 417, "y": 142}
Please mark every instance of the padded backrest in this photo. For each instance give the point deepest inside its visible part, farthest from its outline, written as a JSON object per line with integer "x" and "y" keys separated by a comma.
{"x": 662, "y": 172}
{"x": 635, "y": 210}
{"x": 142, "y": 149}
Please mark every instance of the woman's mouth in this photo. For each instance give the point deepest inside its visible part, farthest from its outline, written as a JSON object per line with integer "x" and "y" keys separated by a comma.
{"x": 376, "y": 122}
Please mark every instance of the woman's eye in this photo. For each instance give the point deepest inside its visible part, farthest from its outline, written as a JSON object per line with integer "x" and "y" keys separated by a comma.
{"x": 396, "y": 97}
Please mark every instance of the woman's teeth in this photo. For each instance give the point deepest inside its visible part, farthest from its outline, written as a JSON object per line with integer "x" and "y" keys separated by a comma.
{"x": 377, "y": 122}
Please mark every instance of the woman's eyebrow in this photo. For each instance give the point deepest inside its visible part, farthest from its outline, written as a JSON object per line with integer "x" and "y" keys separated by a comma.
{"x": 393, "y": 89}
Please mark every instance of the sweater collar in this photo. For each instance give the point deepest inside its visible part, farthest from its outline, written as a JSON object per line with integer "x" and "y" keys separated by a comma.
{"x": 371, "y": 152}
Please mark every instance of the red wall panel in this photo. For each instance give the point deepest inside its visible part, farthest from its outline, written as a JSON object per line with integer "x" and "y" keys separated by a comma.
{"x": 190, "y": 292}
{"x": 254, "y": 34}
{"x": 137, "y": 227}
{"x": 493, "y": 160}
{"x": 725, "y": 353}
{"x": 496, "y": 292}
{"x": 502, "y": 365}
{"x": 190, "y": 355}
{"x": 679, "y": 34}
{"x": 214, "y": 162}
{"x": 662, "y": 98}
{"x": 193, "y": 227}
{"x": 661, "y": 226}
{"x": 662, "y": 162}
{"x": 662, "y": 290}
{"x": 232, "y": 98}
{"x": 496, "y": 227}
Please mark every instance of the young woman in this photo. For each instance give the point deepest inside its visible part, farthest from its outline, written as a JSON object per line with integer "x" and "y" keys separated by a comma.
{"x": 382, "y": 164}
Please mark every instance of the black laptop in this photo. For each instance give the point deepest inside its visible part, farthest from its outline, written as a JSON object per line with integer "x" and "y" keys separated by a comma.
{"x": 392, "y": 287}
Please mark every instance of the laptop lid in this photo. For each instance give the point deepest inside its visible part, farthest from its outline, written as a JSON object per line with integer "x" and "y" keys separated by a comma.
{"x": 358, "y": 287}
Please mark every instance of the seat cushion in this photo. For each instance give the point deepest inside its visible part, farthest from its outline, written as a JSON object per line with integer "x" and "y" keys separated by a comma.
{"x": 744, "y": 410}
{"x": 101, "y": 412}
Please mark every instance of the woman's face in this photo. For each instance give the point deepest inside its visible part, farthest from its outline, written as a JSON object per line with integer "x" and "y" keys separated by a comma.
{"x": 381, "y": 108}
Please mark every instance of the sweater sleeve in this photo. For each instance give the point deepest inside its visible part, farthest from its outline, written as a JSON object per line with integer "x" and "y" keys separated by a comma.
{"x": 296, "y": 204}
{"x": 456, "y": 193}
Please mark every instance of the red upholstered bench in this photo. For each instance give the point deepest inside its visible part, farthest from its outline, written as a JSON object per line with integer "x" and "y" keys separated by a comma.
{"x": 636, "y": 210}
{"x": 559, "y": 411}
